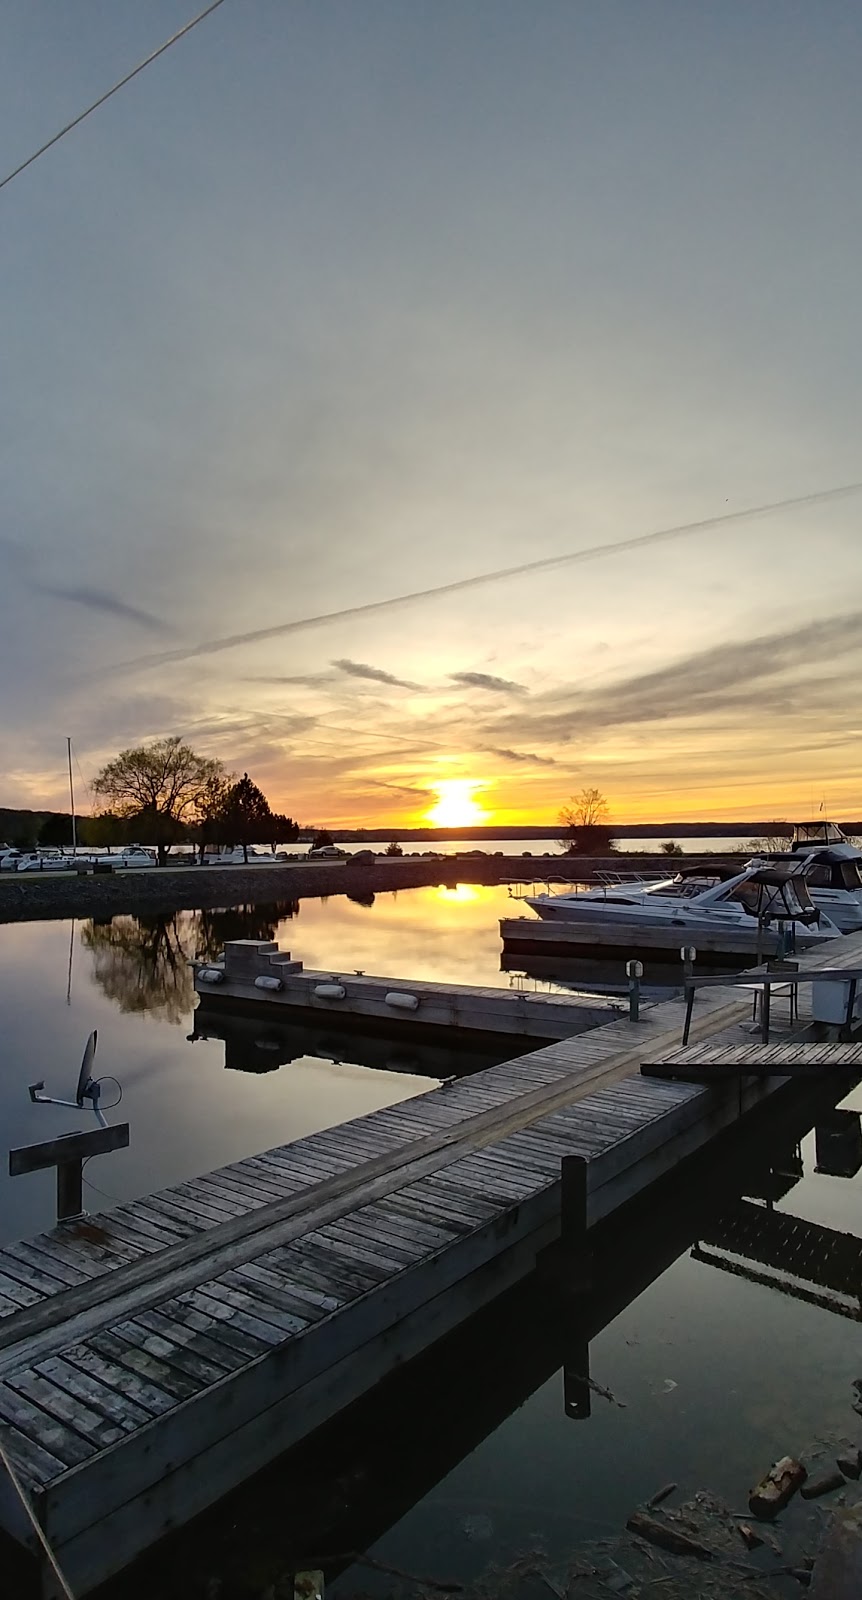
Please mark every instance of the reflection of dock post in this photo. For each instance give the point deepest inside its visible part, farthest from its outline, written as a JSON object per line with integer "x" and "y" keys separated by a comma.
{"x": 577, "y": 1282}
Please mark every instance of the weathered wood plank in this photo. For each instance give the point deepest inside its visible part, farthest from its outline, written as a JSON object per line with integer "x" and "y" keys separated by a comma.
{"x": 35, "y": 1424}
{"x": 151, "y": 1399}
{"x": 71, "y": 1410}
{"x": 128, "y": 1353}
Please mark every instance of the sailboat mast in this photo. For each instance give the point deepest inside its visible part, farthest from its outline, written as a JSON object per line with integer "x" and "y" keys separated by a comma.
{"x": 72, "y": 797}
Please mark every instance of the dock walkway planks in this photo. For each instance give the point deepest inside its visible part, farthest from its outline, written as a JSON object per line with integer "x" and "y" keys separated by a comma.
{"x": 708, "y": 1063}
{"x": 155, "y": 1356}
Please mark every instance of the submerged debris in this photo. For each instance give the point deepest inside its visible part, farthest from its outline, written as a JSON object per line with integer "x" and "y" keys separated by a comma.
{"x": 666, "y": 1536}
{"x": 660, "y": 1495}
{"x": 824, "y": 1483}
{"x": 478, "y": 1526}
{"x": 850, "y": 1463}
{"x": 776, "y": 1488}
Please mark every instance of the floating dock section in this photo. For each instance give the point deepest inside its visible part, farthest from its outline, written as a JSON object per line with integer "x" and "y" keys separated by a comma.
{"x": 155, "y": 1356}
{"x": 255, "y": 972}
{"x": 725, "y": 943}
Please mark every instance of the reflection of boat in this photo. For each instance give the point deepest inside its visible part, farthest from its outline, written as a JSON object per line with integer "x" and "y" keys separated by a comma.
{"x": 253, "y": 1045}
{"x": 588, "y": 974}
{"x": 737, "y": 914}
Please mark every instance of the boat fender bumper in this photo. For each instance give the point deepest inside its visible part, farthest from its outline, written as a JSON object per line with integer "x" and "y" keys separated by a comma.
{"x": 267, "y": 983}
{"x": 401, "y": 1001}
{"x": 329, "y": 991}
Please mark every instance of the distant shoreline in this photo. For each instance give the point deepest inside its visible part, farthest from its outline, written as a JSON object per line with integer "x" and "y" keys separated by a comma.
{"x": 163, "y": 891}
{"x": 617, "y": 830}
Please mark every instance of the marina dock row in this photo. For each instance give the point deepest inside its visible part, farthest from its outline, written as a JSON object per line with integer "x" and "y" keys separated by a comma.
{"x": 258, "y": 972}
{"x": 155, "y": 1356}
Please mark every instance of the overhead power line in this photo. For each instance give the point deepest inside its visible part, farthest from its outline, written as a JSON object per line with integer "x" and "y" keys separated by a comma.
{"x": 76, "y": 121}
{"x": 545, "y": 564}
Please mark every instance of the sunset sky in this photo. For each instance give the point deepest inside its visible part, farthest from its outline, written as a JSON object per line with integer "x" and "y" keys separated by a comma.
{"x": 342, "y": 301}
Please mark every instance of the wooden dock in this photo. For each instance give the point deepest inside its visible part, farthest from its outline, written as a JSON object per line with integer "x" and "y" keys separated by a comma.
{"x": 155, "y": 1356}
{"x": 255, "y": 973}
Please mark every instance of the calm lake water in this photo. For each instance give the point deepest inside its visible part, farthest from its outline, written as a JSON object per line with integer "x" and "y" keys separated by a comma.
{"x": 550, "y": 846}
{"x": 470, "y": 1458}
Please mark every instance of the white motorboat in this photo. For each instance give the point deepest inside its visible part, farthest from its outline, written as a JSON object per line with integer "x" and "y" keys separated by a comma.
{"x": 759, "y": 897}
{"x": 43, "y": 861}
{"x": 832, "y": 874}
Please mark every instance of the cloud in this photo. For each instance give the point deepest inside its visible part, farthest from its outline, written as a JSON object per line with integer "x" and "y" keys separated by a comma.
{"x": 361, "y": 669}
{"x": 100, "y": 600}
{"x": 306, "y": 680}
{"x": 770, "y": 675}
{"x": 528, "y": 757}
{"x": 546, "y": 564}
{"x": 484, "y": 680}
{"x": 403, "y": 788}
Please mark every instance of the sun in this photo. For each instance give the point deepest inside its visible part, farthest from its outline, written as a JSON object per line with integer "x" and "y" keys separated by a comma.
{"x": 456, "y": 806}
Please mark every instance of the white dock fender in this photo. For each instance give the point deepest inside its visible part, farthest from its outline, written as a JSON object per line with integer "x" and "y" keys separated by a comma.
{"x": 211, "y": 974}
{"x": 329, "y": 991}
{"x": 402, "y": 1001}
{"x": 264, "y": 982}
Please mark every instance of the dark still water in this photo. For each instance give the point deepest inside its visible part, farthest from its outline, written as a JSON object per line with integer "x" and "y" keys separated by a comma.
{"x": 196, "y": 1103}
{"x": 724, "y": 1343}
{"x": 465, "y": 1466}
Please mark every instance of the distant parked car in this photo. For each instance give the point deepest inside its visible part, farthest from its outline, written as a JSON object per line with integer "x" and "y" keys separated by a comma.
{"x": 327, "y": 852}
{"x": 363, "y": 855}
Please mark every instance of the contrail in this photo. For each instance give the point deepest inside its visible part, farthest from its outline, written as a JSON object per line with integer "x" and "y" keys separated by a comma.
{"x": 547, "y": 564}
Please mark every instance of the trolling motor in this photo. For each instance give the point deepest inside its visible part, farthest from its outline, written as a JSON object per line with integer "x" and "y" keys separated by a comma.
{"x": 89, "y": 1088}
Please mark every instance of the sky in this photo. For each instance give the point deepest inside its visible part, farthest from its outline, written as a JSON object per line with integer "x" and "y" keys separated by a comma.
{"x": 342, "y": 302}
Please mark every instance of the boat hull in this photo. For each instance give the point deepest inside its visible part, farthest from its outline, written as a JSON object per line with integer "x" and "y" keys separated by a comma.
{"x": 565, "y": 935}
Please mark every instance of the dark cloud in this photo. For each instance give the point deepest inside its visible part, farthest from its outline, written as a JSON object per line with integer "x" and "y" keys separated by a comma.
{"x": 307, "y": 680}
{"x": 402, "y": 788}
{"x": 361, "y": 669}
{"x": 771, "y": 674}
{"x": 527, "y": 757}
{"x": 484, "y": 680}
{"x": 100, "y": 600}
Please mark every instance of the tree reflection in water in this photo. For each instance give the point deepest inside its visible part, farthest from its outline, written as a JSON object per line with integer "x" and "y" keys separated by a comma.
{"x": 142, "y": 963}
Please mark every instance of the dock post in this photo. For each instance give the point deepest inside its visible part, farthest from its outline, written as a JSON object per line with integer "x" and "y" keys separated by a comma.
{"x": 577, "y": 1280}
{"x": 765, "y": 1006}
{"x": 688, "y": 957}
{"x": 68, "y": 1154}
{"x": 690, "y": 991}
{"x": 634, "y": 973}
{"x": 847, "y": 1030}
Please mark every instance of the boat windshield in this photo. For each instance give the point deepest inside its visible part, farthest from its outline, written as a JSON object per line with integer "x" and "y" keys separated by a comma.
{"x": 816, "y": 833}
{"x": 772, "y": 895}
{"x": 828, "y": 870}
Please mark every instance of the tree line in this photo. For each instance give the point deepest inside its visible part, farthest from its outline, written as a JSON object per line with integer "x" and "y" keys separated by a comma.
{"x": 165, "y": 793}
{"x": 161, "y": 794}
